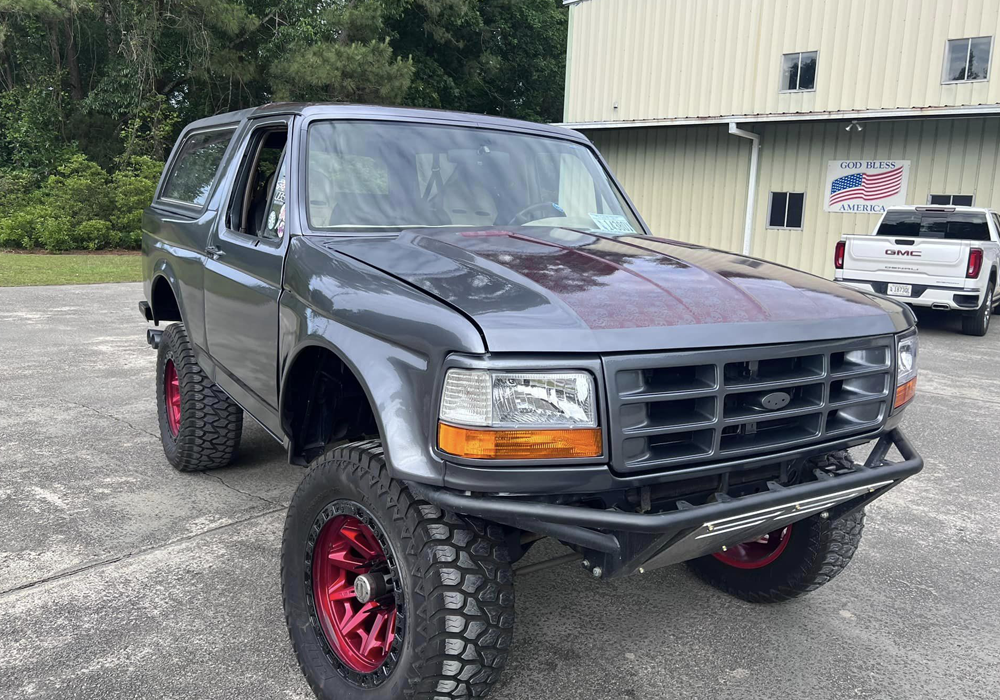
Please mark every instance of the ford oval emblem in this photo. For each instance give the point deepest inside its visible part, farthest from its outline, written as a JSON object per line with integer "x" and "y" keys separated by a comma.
{"x": 775, "y": 400}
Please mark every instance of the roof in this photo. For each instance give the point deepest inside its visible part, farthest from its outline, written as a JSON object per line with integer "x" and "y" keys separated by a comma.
{"x": 375, "y": 112}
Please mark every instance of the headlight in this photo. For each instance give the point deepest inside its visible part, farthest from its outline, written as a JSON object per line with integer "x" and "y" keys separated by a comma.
{"x": 519, "y": 415}
{"x": 906, "y": 370}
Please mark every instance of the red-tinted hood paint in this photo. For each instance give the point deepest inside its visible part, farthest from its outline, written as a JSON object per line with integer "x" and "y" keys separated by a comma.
{"x": 534, "y": 289}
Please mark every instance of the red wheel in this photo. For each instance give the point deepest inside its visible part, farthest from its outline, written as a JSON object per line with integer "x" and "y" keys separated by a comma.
{"x": 757, "y": 553}
{"x": 354, "y": 593}
{"x": 172, "y": 397}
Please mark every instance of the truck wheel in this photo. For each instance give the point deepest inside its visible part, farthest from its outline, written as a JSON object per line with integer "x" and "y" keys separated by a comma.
{"x": 979, "y": 322}
{"x": 387, "y": 596}
{"x": 786, "y": 563}
{"x": 200, "y": 426}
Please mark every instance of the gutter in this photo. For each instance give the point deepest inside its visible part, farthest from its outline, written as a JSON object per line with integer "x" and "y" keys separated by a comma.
{"x": 985, "y": 110}
{"x": 751, "y": 183}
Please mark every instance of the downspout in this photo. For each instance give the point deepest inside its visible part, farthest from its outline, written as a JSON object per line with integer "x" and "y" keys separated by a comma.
{"x": 751, "y": 185}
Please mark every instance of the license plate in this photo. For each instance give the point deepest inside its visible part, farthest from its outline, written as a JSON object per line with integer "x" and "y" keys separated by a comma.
{"x": 900, "y": 290}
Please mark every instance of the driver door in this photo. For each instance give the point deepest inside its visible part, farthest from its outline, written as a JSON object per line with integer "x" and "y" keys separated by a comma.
{"x": 243, "y": 273}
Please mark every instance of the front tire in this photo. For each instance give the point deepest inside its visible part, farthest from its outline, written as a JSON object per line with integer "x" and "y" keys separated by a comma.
{"x": 445, "y": 587}
{"x": 200, "y": 426}
{"x": 979, "y": 322}
{"x": 786, "y": 563}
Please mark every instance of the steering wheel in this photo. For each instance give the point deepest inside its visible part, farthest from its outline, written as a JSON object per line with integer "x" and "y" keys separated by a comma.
{"x": 524, "y": 215}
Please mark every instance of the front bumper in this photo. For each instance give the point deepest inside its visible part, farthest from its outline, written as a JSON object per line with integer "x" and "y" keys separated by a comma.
{"x": 624, "y": 542}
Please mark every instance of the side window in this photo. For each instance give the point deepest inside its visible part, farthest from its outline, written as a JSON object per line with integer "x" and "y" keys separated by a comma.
{"x": 967, "y": 59}
{"x": 996, "y": 222}
{"x": 798, "y": 71}
{"x": 274, "y": 225}
{"x": 195, "y": 166}
{"x": 257, "y": 184}
{"x": 952, "y": 200}
{"x": 785, "y": 210}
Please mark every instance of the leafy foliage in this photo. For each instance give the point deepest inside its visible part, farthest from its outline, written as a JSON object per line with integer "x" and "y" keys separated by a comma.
{"x": 94, "y": 92}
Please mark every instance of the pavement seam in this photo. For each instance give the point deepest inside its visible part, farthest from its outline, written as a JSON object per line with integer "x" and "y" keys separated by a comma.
{"x": 112, "y": 417}
{"x": 241, "y": 491}
{"x": 102, "y": 563}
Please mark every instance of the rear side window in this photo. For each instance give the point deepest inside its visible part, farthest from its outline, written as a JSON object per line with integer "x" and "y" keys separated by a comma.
{"x": 194, "y": 168}
{"x": 966, "y": 226}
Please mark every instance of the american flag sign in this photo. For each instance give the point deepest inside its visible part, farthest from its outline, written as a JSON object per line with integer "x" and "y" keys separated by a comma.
{"x": 865, "y": 186}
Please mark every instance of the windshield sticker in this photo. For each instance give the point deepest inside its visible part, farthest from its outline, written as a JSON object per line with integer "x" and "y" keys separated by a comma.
{"x": 272, "y": 219}
{"x": 613, "y": 223}
{"x": 281, "y": 222}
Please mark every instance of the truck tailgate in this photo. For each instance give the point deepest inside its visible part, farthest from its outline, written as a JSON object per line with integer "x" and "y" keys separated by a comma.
{"x": 937, "y": 259}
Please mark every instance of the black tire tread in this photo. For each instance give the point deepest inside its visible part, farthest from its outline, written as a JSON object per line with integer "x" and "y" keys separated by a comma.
{"x": 830, "y": 548}
{"x": 211, "y": 422}
{"x": 462, "y": 609}
{"x": 977, "y": 324}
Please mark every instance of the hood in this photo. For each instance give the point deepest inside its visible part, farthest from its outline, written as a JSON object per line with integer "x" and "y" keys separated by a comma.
{"x": 537, "y": 289}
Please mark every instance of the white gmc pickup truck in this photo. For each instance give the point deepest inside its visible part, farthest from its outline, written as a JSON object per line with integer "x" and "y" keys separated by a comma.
{"x": 939, "y": 257}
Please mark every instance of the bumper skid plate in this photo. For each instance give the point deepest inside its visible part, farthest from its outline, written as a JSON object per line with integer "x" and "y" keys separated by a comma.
{"x": 621, "y": 542}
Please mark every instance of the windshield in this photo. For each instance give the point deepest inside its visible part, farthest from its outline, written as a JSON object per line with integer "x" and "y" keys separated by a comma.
{"x": 387, "y": 175}
{"x": 965, "y": 226}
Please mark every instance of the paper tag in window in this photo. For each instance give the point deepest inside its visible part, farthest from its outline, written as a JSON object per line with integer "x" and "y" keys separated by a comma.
{"x": 613, "y": 223}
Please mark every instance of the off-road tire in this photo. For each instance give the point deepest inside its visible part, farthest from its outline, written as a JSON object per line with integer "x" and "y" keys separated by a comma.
{"x": 210, "y": 422}
{"x": 817, "y": 551}
{"x": 455, "y": 624}
{"x": 979, "y": 322}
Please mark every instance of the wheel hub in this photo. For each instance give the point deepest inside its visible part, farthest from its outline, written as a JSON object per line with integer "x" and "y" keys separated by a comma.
{"x": 350, "y": 593}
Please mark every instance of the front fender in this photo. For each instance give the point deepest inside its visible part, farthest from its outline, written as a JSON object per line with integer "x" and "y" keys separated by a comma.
{"x": 393, "y": 337}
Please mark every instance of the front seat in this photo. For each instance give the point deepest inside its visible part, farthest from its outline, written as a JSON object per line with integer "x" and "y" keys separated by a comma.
{"x": 468, "y": 203}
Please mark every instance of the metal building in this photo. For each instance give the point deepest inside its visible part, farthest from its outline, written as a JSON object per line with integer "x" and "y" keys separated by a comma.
{"x": 850, "y": 105}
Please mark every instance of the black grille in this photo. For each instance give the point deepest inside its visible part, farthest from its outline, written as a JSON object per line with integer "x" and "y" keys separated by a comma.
{"x": 670, "y": 411}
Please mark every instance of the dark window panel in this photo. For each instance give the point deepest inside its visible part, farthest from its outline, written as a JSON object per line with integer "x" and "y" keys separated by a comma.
{"x": 807, "y": 71}
{"x": 940, "y": 199}
{"x": 979, "y": 58}
{"x": 778, "y": 203}
{"x": 790, "y": 71}
{"x": 794, "y": 216}
{"x": 958, "y": 52}
{"x": 962, "y": 200}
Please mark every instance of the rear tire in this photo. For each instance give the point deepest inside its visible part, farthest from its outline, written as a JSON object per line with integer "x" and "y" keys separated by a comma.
{"x": 200, "y": 426}
{"x": 803, "y": 557}
{"x": 979, "y": 322}
{"x": 449, "y": 587}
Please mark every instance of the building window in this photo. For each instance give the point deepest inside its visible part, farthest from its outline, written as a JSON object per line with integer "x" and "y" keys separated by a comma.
{"x": 798, "y": 71}
{"x": 950, "y": 200}
{"x": 785, "y": 210}
{"x": 967, "y": 59}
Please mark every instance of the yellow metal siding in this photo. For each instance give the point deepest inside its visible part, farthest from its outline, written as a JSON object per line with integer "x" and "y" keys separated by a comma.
{"x": 681, "y": 59}
{"x": 690, "y": 182}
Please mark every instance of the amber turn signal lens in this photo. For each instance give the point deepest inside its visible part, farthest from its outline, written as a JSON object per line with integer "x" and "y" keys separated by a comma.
{"x": 905, "y": 392}
{"x": 477, "y": 443}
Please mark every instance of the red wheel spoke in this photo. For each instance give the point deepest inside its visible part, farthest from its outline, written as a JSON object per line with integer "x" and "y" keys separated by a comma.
{"x": 371, "y": 641}
{"x": 341, "y": 556}
{"x": 360, "y": 542}
{"x": 359, "y": 617}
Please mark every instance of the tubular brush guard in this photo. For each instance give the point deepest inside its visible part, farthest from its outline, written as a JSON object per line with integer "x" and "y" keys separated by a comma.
{"x": 621, "y": 542}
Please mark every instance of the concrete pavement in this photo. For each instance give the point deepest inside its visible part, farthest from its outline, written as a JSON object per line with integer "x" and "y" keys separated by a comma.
{"x": 121, "y": 578}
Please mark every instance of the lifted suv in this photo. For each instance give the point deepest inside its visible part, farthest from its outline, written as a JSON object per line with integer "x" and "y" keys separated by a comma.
{"x": 465, "y": 329}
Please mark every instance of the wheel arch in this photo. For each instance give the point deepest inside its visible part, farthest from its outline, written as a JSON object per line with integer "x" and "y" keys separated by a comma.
{"x": 312, "y": 416}
{"x": 163, "y": 300}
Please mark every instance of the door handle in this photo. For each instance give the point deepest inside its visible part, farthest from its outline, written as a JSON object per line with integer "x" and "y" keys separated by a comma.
{"x": 214, "y": 252}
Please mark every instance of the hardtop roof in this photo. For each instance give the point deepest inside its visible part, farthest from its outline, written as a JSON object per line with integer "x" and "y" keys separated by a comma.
{"x": 359, "y": 111}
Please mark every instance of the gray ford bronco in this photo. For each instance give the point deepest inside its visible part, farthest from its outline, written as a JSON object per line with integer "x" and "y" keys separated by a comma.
{"x": 465, "y": 330}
